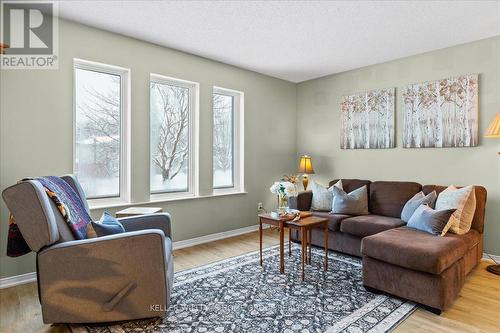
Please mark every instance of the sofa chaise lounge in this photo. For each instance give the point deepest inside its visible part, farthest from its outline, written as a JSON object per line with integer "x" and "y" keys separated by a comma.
{"x": 408, "y": 263}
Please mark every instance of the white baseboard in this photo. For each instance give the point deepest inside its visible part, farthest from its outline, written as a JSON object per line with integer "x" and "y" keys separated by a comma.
{"x": 17, "y": 280}
{"x": 489, "y": 256}
{"x": 213, "y": 237}
{"x": 31, "y": 277}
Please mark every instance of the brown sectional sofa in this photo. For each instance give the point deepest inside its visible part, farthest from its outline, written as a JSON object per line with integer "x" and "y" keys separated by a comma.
{"x": 408, "y": 263}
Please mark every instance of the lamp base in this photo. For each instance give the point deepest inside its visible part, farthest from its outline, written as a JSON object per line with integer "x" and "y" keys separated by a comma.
{"x": 305, "y": 181}
{"x": 495, "y": 269}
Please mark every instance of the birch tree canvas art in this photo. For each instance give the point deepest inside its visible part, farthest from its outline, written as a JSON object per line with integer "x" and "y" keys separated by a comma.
{"x": 367, "y": 120}
{"x": 441, "y": 113}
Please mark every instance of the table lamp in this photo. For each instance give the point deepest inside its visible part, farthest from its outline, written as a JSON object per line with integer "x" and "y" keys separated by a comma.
{"x": 305, "y": 167}
{"x": 493, "y": 131}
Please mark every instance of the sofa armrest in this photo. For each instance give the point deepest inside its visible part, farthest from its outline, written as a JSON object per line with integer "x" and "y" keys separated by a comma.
{"x": 302, "y": 201}
{"x": 160, "y": 221}
{"x": 110, "y": 278}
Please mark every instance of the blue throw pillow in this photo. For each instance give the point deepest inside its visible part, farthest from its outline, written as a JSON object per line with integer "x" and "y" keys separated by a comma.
{"x": 430, "y": 220}
{"x": 418, "y": 199}
{"x": 107, "y": 225}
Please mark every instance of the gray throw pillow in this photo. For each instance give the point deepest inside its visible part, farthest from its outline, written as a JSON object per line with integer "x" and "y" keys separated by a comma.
{"x": 430, "y": 220}
{"x": 322, "y": 197}
{"x": 354, "y": 203}
{"x": 415, "y": 202}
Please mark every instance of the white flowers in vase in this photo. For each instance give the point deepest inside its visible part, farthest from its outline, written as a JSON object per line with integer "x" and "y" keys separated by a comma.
{"x": 283, "y": 190}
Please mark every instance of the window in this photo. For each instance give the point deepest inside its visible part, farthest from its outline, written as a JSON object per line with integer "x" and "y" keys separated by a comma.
{"x": 227, "y": 140}
{"x": 173, "y": 107}
{"x": 101, "y": 129}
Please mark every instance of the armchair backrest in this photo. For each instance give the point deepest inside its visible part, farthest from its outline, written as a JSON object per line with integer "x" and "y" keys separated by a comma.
{"x": 37, "y": 217}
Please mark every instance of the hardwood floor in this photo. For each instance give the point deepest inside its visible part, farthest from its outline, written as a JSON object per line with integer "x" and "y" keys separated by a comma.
{"x": 476, "y": 310}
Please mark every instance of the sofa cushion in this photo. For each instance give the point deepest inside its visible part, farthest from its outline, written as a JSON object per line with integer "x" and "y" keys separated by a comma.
{"x": 352, "y": 203}
{"x": 463, "y": 200}
{"x": 415, "y": 249}
{"x": 389, "y": 198}
{"x": 333, "y": 219}
{"x": 366, "y": 225}
{"x": 430, "y": 220}
{"x": 322, "y": 197}
{"x": 481, "y": 195}
{"x": 418, "y": 199}
{"x": 350, "y": 185}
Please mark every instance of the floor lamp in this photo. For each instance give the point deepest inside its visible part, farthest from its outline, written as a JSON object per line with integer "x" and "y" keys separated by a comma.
{"x": 494, "y": 132}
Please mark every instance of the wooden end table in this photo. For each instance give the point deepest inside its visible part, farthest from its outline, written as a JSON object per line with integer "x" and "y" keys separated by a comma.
{"x": 304, "y": 226}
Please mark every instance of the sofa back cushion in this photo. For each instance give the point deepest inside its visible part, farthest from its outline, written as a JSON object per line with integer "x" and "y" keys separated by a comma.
{"x": 35, "y": 215}
{"x": 387, "y": 198}
{"x": 481, "y": 195}
{"x": 349, "y": 185}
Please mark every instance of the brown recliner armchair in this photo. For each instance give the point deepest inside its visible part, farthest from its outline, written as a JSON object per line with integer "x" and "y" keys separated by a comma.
{"x": 112, "y": 278}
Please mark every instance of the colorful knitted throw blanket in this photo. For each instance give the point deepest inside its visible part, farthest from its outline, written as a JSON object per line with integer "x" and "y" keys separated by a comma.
{"x": 69, "y": 204}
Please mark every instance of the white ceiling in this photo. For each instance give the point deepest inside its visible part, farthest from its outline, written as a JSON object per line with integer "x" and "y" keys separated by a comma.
{"x": 295, "y": 40}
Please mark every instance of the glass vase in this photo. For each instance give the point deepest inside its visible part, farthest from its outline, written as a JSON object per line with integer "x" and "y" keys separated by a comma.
{"x": 282, "y": 203}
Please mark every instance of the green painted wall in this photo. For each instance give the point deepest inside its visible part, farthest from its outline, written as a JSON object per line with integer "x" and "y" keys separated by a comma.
{"x": 318, "y": 123}
{"x": 36, "y": 129}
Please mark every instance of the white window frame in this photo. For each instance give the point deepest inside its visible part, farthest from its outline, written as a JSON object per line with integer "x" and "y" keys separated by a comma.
{"x": 193, "y": 129}
{"x": 238, "y": 141}
{"x": 124, "y": 73}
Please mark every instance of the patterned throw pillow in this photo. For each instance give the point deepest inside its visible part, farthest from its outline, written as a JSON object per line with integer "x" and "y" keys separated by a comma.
{"x": 354, "y": 203}
{"x": 418, "y": 199}
{"x": 429, "y": 220}
{"x": 463, "y": 200}
{"x": 322, "y": 197}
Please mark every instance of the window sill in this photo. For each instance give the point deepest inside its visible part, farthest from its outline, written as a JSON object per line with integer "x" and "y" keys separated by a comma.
{"x": 162, "y": 199}
{"x": 225, "y": 191}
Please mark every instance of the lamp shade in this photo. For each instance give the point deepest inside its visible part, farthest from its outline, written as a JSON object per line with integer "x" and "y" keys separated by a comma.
{"x": 305, "y": 164}
{"x": 494, "y": 128}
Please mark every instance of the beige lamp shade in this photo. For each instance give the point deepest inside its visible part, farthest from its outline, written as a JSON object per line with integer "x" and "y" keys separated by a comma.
{"x": 305, "y": 164}
{"x": 494, "y": 128}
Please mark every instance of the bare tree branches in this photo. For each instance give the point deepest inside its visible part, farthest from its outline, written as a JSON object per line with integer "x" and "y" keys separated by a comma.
{"x": 171, "y": 154}
{"x": 441, "y": 113}
{"x": 223, "y": 132}
{"x": 367, "y": 120}
{"x": 101, "y": 128}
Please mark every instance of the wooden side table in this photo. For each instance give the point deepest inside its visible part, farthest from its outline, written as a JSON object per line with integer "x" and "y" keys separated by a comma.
{"x": 133, "y": 211}
{"x": 268, "y": 219}
{"x": 304, "y": 226}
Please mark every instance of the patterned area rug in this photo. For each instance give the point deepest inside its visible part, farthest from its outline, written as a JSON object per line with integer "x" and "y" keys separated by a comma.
{"x": 237, "y": 295}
